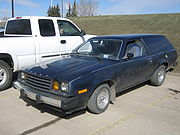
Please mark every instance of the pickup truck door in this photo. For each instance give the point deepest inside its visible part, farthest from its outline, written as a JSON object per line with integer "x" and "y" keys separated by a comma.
{"x": 135, "y": 69}
{"x": 69, "y": 36}
{"x": 49, "y": 44}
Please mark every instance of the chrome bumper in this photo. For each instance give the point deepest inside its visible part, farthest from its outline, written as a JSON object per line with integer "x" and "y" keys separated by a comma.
{"x": 26, "y": 92}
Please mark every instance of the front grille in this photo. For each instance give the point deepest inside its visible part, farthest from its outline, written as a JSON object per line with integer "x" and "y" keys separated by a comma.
{"x": 37, "y": 82}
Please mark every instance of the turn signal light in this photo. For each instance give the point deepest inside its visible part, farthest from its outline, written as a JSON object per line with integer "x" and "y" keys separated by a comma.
{"x": 55, "y": 85}
{"x": 82, "y": 91}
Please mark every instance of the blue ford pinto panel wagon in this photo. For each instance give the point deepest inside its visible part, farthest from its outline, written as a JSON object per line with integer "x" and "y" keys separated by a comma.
{"x": 93, "y": 73}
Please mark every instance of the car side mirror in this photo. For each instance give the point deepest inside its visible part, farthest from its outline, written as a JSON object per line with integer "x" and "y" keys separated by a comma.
{"x": 82, "y": 33}
{"x": 130, "y": 55}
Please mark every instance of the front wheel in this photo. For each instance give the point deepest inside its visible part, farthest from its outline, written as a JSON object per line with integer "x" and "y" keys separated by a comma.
{"x": 99, "y": 100}
{"x": 6, "y": 75}
{"x": 159, "y": 76}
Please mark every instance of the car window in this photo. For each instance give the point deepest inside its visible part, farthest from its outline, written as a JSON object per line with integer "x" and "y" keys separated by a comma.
{"x": 20, "y": 27}
{"x": 86, "y": 48}
{"x": 66, "y": 28}
{"x": 46, "y": 27}
{"x": 136, "y": 47}
{"x": 156, "y": 44}
{"x": 103, "y": 48}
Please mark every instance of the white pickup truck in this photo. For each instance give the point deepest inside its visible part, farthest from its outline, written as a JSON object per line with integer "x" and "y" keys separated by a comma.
{"x": 29, "y": 40}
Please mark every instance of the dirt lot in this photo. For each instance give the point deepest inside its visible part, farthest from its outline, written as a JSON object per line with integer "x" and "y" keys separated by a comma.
{"x": 144, "y": 110}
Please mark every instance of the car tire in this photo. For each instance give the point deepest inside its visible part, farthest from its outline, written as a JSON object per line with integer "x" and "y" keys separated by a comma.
{"x": 159, "y": 76}
{"x": 6, "y": 75}
{"x": 100, "y": 99}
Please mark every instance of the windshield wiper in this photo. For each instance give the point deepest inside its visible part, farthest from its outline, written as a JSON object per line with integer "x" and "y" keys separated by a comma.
{"x": 70, "y": 53}
{"x": 85, "y": 54}
{"x": 96, "y": 56}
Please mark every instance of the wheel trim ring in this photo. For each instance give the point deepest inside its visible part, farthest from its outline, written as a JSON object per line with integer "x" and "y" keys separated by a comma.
{"x": 161, "y": 75}
{"x": 103, "y": 98}
{"x": 3, "y": 76}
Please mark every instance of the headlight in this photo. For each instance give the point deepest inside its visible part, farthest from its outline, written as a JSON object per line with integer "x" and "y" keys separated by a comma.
{"x": 23, "y": 75}
{"x": 64, "y": 87}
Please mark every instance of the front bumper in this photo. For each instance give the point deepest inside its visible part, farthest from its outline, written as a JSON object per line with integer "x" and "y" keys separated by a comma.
{"x": 65, "y": 104}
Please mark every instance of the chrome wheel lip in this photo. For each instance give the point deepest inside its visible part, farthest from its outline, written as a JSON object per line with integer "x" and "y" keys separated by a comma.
{"x": 3, "y": 76}
{"x": 103, "y": 98}
{"x": 161, "y": 75}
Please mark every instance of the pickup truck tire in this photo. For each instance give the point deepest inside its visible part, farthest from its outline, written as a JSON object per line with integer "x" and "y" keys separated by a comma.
{"x": 6, "y": 75}
{"x": 159, "y": 76}
{"x": 100, "y": 99}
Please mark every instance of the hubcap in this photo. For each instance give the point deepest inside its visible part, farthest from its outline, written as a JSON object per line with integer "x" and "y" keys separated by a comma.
{"x": 3, "y": 76}
{"x": 161, "y": 75}
{"x": 103, "y": 98}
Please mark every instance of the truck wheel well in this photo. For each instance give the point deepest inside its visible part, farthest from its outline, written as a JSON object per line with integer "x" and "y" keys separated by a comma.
{"x": 7, "y": 58}
{"x": 165, "y": 64}
{"x": 109, "y": 82}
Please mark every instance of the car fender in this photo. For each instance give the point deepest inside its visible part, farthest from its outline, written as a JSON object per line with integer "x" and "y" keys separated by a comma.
{"x": 109, "y": 79}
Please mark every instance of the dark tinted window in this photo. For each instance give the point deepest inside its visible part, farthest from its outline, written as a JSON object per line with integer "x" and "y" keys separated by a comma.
{"x": 156, "y": 44}
{"x": 21, "y": 27}
{"x": 46, "y": 27}
{"x": 67, "y": 28}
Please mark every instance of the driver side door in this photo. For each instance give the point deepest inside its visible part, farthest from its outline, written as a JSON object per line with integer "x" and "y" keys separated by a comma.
{"x": 135, "y": 69}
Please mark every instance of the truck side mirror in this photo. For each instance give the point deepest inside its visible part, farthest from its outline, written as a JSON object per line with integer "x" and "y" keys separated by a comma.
{"x": 82, "y": 33}
{"x": 130, "y": 55}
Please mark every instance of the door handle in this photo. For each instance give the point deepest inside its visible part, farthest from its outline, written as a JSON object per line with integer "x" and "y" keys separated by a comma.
{"x": 63, "y": 41}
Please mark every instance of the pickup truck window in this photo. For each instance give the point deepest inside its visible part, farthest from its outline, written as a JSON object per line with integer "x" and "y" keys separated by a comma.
{"x": 136, "y": 47}
{"x": 46, "y": 27}
{"x": 67, "y": 29}
{"x": 20, "y": 27}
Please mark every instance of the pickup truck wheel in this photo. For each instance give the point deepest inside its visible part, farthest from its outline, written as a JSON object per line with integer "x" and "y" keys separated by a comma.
{"x": 159, "y": 76}
{"x": 99, "y": 100}
{"x": 5, "y": 75}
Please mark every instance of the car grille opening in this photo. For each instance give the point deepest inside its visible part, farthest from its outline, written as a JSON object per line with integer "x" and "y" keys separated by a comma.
{"x": 38, "y": 83}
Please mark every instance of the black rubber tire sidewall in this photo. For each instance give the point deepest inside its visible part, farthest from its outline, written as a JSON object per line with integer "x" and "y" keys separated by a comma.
{"x": 154, "y": 80}
{"x": 8, "y": 70}
{"x": 92, "y": 102}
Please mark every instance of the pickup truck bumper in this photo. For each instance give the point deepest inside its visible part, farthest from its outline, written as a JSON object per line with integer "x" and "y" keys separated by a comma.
{"x": 62, "y": 104}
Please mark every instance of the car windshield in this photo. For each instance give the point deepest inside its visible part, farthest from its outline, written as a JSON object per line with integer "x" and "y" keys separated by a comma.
{"x": 100, "y": 48}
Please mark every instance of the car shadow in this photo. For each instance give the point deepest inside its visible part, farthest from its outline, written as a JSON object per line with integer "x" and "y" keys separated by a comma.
{"x": 43, "y": 108}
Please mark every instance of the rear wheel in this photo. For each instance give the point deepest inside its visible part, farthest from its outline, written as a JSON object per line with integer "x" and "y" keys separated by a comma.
{"x": 159, "y": 76}
{"x": 6, "y": 75}
{"x": 99, "y": 100}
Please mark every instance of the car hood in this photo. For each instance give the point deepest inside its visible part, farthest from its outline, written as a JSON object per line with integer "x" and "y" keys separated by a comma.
{"x": 69, "y": 68}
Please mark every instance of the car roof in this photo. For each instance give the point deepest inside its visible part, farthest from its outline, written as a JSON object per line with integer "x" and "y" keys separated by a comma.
{"x": 127, "y": 36}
